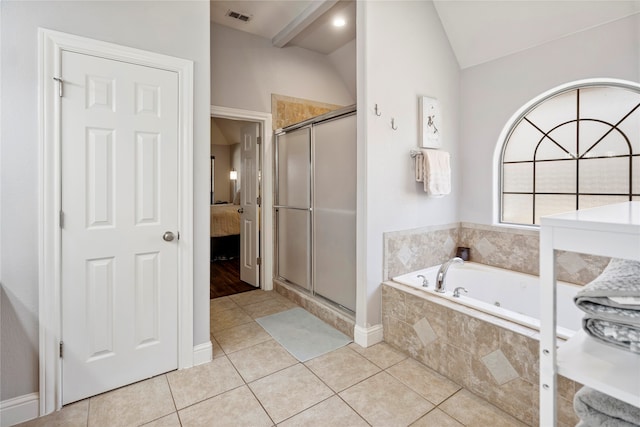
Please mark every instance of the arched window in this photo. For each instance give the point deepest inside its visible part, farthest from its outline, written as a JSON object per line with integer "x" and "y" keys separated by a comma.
{"x": 572, "y": 148}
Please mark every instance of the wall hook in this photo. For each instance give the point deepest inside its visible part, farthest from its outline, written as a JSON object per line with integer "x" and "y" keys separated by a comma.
{"x": 378, "y": 113}
{"x": 393, "y": 124}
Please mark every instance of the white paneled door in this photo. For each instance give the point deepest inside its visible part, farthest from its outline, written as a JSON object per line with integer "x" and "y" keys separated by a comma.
{"x": 249, "y": 224}
{"x": 119, "y": 289}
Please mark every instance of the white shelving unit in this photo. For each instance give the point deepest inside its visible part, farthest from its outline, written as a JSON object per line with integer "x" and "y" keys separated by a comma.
{"x": 612, "y": 231}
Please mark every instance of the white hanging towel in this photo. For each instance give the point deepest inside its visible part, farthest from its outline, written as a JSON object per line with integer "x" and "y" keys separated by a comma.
{"x": 434, "y": 170}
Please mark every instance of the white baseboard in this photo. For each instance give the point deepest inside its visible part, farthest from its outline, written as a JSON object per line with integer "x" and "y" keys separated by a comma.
{"x": 366, "y": 337}
{"x": 19, "y": 409}
{"x": 202, "y": 353}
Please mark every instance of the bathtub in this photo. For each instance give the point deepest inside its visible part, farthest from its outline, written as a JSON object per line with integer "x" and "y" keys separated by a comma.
{"x": 503, "y": 293}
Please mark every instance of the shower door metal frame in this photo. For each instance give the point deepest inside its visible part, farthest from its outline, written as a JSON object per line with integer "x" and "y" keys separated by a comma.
{"x": 310, "y": 124}
{"x": 277, "y": 206}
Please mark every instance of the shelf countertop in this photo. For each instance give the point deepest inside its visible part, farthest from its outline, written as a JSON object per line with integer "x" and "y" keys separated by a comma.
{"x": 618, "y": 217}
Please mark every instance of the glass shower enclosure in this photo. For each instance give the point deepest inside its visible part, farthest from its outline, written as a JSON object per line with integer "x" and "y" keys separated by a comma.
{"x": 315, "y": 206}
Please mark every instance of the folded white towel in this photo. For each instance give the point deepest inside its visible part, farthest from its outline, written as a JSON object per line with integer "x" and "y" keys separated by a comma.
{"x": 433, "y": 169}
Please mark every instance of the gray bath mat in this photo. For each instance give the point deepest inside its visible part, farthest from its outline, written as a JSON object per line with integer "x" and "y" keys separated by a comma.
{"x": 303, "y": 334}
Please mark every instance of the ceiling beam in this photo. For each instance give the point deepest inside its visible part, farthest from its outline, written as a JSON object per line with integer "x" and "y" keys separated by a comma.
{"x": 302, "y": 21}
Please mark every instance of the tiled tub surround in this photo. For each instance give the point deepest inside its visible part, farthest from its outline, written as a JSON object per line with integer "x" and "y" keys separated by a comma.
{"x": 511, "y": 248}
{"x": 491, "y": 357}
{"x": 506, "y": 294}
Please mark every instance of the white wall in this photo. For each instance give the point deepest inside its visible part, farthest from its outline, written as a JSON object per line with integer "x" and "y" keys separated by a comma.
{"x": 405, "y": 54}
{"x": 247, "y": 69}
{"x": 178, "y": 28}
{"x": 344, "y": 61}
{"x": 494, "y": 91}
{"x": 222, "y": 185}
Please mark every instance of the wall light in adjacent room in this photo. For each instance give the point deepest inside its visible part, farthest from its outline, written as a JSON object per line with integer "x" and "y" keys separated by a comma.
{"x": 233, "y": 175}
{"x": 339, "y": 22}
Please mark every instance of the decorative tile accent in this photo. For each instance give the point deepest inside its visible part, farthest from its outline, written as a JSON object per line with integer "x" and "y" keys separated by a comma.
{"x": 592, "y": 267}
{"x": 449, "y": 245}
{"x": 410, "y": 250}
{"x": 499, "y": 366}
{"x": 485, "y": 248}
{"x": 287, "y": 110}
{"x": 572, "y": 262}
{"x": 424, "y": 331}
{"x": 404, "y": 255}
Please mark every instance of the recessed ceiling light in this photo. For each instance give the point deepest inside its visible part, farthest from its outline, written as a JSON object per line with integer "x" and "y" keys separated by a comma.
{"x": 339, "y": 22}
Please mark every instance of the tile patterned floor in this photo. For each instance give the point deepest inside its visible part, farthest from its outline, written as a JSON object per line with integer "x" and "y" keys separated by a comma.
{"x": 253, "y": 381}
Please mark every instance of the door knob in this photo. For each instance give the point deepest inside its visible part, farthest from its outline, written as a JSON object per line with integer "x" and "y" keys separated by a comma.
{"x": 168, "y": 236}
{"x": 240, "y": 210}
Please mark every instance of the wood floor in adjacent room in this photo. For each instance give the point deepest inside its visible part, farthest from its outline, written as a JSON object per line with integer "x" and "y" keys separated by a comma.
{"x": 225, "y": 279}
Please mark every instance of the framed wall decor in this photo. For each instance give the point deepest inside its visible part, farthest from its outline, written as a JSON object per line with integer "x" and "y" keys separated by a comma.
{"x": 430, "y": 123}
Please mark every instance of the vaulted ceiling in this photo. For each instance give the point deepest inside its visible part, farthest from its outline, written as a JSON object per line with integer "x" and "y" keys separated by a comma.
{"x": 478, "y": 30}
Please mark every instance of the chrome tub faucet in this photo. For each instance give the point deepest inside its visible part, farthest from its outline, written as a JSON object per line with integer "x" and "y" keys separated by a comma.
{"x": 425, "y": 281}
{"x": 442, "y": 273}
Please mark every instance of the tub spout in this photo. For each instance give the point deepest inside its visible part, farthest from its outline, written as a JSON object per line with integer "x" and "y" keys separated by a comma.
{"x": 442, "y": 273}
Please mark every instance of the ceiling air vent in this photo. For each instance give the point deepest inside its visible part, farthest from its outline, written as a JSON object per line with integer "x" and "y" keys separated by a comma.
{"x": 237, "y": 15}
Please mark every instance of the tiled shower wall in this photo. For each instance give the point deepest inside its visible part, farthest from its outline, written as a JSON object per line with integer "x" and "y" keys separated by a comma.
{"x": 510, "y": 248}
{"x": 287, "y": 110}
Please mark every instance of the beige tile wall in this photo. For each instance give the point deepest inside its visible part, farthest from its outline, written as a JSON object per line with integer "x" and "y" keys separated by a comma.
{"x": 492, "y": 358}
{"x": 510, "y": 248}
{"x": 287, "y": 110}
{"x": 518, "y": 250}
{"x": 411, "y": 250}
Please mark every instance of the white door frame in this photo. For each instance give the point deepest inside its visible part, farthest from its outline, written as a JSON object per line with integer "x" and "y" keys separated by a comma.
{"x": 50, "y": 47}
{"x": 266, "y": 190}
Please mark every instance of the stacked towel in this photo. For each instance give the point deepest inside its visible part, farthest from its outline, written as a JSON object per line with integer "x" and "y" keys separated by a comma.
{"x": 612, "y": 305}
{"x": 597, "y": 409}
{"x": 434, "y": 170}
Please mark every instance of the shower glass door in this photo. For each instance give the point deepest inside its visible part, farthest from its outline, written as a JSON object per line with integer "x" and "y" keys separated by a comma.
{"x": 334, "y": 211}
{"x": 293, "y": 206}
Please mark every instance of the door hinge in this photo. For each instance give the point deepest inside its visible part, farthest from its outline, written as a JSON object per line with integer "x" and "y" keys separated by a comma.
{"x": 61, "y": 219}
{"x": 259, "y": 140}
{"x": 61, "y": 347}
{"x": 60, "y": 81}
{"x": 258, "y": 261}
{"x": 259, "y": 200}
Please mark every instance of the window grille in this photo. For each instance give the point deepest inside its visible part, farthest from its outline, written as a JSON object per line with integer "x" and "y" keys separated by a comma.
{"x": 576, "y": 149}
